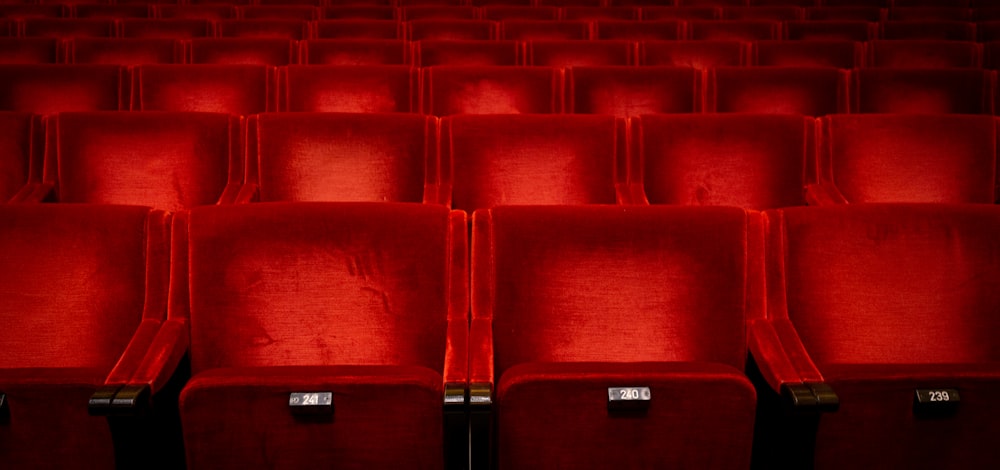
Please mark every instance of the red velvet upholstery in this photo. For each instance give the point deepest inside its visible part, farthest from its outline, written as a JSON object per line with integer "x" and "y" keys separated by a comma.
{"x": 924, "y": 54}
{"x": 29, "y": 50}
{"x": 531, "y": 159}
{"x": 510, "y": 12}
{"x": 929, "y": 29}
{"x": 630, "y": 91}
{"x": 257, "y": 51}
{"x": 277, "y": 12}
{"x": 368, "y": 301}
{"x": 67, "y": 27}
{"x": 966, "y": 91}
{"x": 578, "y": 53}
{"x": 697, "y": 54}
{"x": 342, "y": 157}
{"x": 348, "y": 89}
{"x": 134, "y": 51}
{"x": 492, "y": 90}
{"x": 909, "y": 158}
{"x": 832, "y": 30}
{"x": 438, "y": 12}
{"x": 165, "y": 29}
{"x": 931, "y": 13}
{"x": 444, "y": 52}
{"x": 886, "y": 299}
{"x": 839, "y": 54}
{"x": 286, "y": 29}
{"x": 663, "y": 30}
{"x": 82, "y": 288}
{"x": 578, "y": 299}
{"x": 734, "y": 30}
{"x": 354, "y": 52}
{"x": 234, "y": 89}
{"x": 57, "y": 88}
{"x": 988, "y": 31}
{"x": 653, "y": 12}
{"x": 21, "y": 147}
{"x": 844, "y": 13}
{"x": 746, "y": 160}
{"x": 763, "y": 12}
{"x": 529, "y": 30}
{"x": 216, "y": 11}
{"x": 813, "y": 91}
{"x": 358, "y": 12}
{"x": 26, "y": 10}
{"x": 600, "y": 13}
{"x": 171, "y": 161}
{"x": 358, "y": 29}
{"x": 90, "y": 10}
{"x": 454, "y": 30}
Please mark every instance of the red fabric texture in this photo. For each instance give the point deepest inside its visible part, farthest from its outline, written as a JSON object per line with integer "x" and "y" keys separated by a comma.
{"x": 68, "y": 27}
{"x": 59, "y": 88}
{"x": 285, "y": 29}
{"x": 354, "y": 52}
{"x": 439, "y": 12}
{"x": 29, "y": 50}
{"x": 170, "y": 161}
{"x": 342, "y": 157}
{"x": 110, "y": 11}
{"x": 755, "y": 161}
{"x": 660, "y": 12}
{"x": 212, "y": 88}
{"x": 631, "y": 91}
{"x": 277, "y": 12}
{"x": 165, "y": 29}
{"x": 910, "y": 158}
{"x": 593, "y": 13}
{"x": 254, "y": 51}
{"x": 196, "y": 12}
{"x": 530, "y": 159}
{"x": 953, "y": 13}
{"x": 358, "y": 29}
{"x": 940, "y": 91}
{"x": 531, "y": 30}
{"x": 833, "y": 30}
{"x": 696, "y": 54}
{"x": 492, "y": 90}
{"x": 839, "y": 54}
{"x": 578, "y": 53}
{"x": 134, "y": 51}
{"x": 21, "y": 147}
{"x": 924, "y": 53}
{"x": 812, "y": 91}
{"x": 452, "y": 30}
{"x": 763, "y": 12}
{"x": 444, "y": 52}
{"x": 516, "y": 12}
{"x": 734, "y": 30}
{"x": 349, "y": 10}
{"x": 844, "y": 13}
{"x": 348, "y": 89}
{"x": 929, "y": 29}
{"x": 662, "y": 30}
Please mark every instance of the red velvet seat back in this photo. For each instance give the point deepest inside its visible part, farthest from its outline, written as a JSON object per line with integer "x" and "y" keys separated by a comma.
{"x": 745, "y": 160}
{"x": 170, "y": 161}
{"x": 134, "y": 51}
{"x": 734, "y": 30}
{"x": 532, "y": 30}
{"x": 839, "y": 54}
{"x": 255, "y": 51}
{"x": 29, "y": 50}
{"x": 575, "y": 284}
{"x": 165, "y": 28}
{"x": 910, "y": 158}
{"x": 68, "y": 27}
{"x": 342, "y": 157}
{"x": 530, "y": 159}
{"x": 831, "y": 30}
{"x": 452, "y": 30}
{"x": 812, "y": 91}
{"x": 348, "y": 89}
{"x": 21, "y": 147}
{"x": 492, "y": 90}
{"x": 662, "y": 30}
{"x": 961, "y": 91}
{"x": 474, "y": 53}
{"x": 630, "y": 91}
{"x": 354, "y": 52}
{"x": 358, "y": 29}
{"x": 578, "y": 53}
{"x": 696, "y": 54}
{"x": 285, "y": 29}
{"x": 927, "y": 54}
{"x": 320, "y": 284}
{"x": 59, "y": 88}
{"x": 213, "y": 88}
{"x": 889, "y": 284}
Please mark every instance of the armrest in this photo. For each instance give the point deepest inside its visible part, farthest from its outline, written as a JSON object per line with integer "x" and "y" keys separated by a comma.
{"x": 481, "y": 378}
{"x": 631, "y": 194}
{"x": 437, "y": 194}
{"x": 824, "y": 194}
{"x": 787, "y": 368}
{"x": 101, "y": 401}
{"x": 32, "y": 193}
{"x": 158, "y": 365}
{"x": 232, "y": 193}
{"x": 456, "y": 363}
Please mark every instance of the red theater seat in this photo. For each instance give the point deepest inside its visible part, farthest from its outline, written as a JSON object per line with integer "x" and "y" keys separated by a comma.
{"x": 812, "y": 91}
{"x": 257, "y": 51}
{"x": 82, "y": 291}
{"x": 529, "y": 30}
{"x": 171, "y": 161}
{"x": 734, "y": 30}
{"x": 900, "y": 90}
{"x": 26, "y": 10}
{"x": 661, "y": 30}
{"x": 930, "y": 13}
{"x": 438, "y": 12}
{"x": 50, "y": 88}
{"x": 277, "y": 12}
{"x": 600, "y": 13}
{"x": 631, "y": 91}
{"x": 763, "y": 12}
{"x": 378, "y": 293}
{"x": 133, "y": 51}
{"x": 68, "y": 27}
{"x": 444, "y": 52}
{"x": 754, "y": 161}
{"x": 455, "y": 30}
{"x": 831, "y": 30}
{"x": 91, "y": 10}
{"x": 165, "y": 29}
{"x": 929, "y": 29}
{"x": 349, "y": 89}
{"x": 196, "y": 12}
{"x": 215, "y": 88}
{"x": 509, "y": 12}
{"x": 839, "y": 54}
{"x": 654, "y": 13}
{"x": 358, "y": 29}
{"x": 580, "y": 53}
{"x": 696, "y": 54}
{"x": 634, "y": 297}
{"x": 924, "y": 54}
{"x": 354, "y": 52}
{"x": 845, "y": 13}
{"x": 286, "y": 29}
{"x": 29, "y": 50}
{"x": 341, "y": 157}
{"x": 496, "y": 160}
{"x": 991, "y": 55}
{"x": 907, "y": 158}
{"x": 492, "y": 90}
{"x": 358, "y": 12}
{"x": 21, "y": 146}
{"x": 851, "y": 289}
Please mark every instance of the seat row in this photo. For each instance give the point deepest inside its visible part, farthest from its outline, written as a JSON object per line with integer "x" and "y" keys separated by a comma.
{"x": 808, "y": 5}
{"x": 741, "y": 30}
{"x": 176, "y": 161}
{"x": 561, "y": 53}
{"x": 446, "y": 90}
{"x": 351, "y": 334}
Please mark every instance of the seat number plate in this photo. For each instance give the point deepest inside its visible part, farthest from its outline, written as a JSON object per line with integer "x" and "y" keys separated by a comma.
{"x": 628, "y": 397}
{"x": 311, "y": 402}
